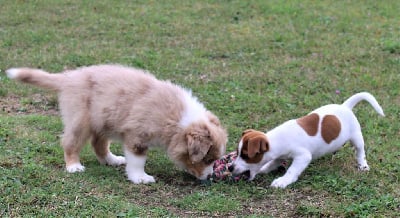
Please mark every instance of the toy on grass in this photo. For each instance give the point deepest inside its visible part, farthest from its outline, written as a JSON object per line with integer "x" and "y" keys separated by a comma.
{"x": 221, "y": 169}
{"x": 221, "y": 172}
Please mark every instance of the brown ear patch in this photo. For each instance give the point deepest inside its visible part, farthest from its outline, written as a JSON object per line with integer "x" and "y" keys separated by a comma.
{"x": 255, "y": 144}
{"x": 247, "y": 131}
{"x": 309, "y": 123}
{"x": 199, "y": 142}
{"x": 330, "y": 128}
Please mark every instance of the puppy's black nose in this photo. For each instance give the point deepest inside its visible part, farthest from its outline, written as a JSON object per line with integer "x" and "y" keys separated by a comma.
{"x": 231, "y": 168}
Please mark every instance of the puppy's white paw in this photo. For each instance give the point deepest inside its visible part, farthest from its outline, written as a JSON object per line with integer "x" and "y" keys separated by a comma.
{"x": 77, "y": 167}
{"x": 141, "y": 178}
{"x": 117, "y": 160}
{"x": 280, "y": 182}
{"x": 363, "y": 168}
{"x": 114, "y": 160}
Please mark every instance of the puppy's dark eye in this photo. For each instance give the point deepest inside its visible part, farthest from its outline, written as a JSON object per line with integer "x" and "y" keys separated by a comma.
{"x": 244, "y": 156}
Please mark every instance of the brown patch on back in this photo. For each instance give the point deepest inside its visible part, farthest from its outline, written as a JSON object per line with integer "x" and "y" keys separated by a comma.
{"x": 330, "y": 128}
{"x": 255, "y": 144}
{"x": 309, "y": 123}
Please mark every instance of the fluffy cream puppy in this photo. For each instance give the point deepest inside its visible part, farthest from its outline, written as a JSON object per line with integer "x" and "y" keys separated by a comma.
{"x": 130, "y": 105}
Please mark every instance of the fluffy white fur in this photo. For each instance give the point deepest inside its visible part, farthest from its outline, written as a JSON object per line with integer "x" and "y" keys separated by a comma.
{"x": 105, "y": 102}
{"x": 291, "y": 141}
{"x": 12, "y": 73}
{"x": 135, "y": 168}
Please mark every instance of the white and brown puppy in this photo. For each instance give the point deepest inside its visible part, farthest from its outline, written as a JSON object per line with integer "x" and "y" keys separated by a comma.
{"x": 323, "y": 131}
{"x": 115, "y": 102}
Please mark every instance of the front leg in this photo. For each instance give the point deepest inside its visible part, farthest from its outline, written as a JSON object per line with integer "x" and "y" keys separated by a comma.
{"x": 298, "y": 165}
{"x": 135, "y": 162}
{"x": 270, "y": 166}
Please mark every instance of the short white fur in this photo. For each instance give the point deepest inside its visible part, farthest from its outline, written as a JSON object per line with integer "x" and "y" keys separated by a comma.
{"x": 76, "y": 167}
{"x": 135, "y": 168}
{"x": 112, "y": 160}
{"x": 290, "y": 141}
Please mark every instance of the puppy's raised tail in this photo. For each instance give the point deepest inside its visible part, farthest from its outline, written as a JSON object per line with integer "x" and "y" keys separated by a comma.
{"x": 37, "y": 77}
{"x": 353, "y": 100}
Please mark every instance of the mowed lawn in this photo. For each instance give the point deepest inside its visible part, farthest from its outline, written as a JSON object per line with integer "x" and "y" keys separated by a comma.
{"x": 253, "y": 63}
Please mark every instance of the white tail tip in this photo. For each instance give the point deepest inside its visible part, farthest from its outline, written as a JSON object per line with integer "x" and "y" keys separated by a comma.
{"x": 12, "y": 73}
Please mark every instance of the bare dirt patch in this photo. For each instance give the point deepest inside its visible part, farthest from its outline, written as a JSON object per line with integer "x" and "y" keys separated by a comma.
{"x": 34, "y": 104}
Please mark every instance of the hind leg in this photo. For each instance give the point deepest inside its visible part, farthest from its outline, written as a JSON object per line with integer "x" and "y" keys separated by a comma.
{"x": 101, "y": 146}
{"x": 72, "y": 142}
{"x": 357, "y": 141}
{"x": 76, "y": 128}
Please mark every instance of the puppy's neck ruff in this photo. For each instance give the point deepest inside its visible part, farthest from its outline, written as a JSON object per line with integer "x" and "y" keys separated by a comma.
{"x": 194, "y": 110}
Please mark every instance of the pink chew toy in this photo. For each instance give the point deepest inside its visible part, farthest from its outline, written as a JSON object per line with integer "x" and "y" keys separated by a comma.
{"x": 221, "y": 172}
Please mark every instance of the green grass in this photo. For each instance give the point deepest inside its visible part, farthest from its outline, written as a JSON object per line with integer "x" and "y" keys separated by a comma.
{"x": 253, "y": 63}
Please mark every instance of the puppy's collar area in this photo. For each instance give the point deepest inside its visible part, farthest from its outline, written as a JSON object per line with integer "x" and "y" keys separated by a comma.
{"x": 194, "y": 111}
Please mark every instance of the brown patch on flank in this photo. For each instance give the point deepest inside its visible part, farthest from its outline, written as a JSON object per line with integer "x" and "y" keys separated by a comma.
{"x": 330, "y": 128}
{"x": 139, "y": 150}
{"x": 255, "y": 144}
{"x": 309, "y": 123}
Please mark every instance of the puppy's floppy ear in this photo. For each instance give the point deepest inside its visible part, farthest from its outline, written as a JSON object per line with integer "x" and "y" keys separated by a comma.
{"x": 199, "y": 142}
{"x": 247, "y": 131}
{"x": 254, "y": 142}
